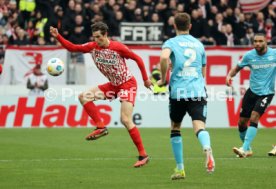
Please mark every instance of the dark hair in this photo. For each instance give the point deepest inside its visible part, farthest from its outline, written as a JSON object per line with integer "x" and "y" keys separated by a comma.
{"x": 259, "y": 34}
{"x": 182, "y": 21}
{"x": 100, "y": 26}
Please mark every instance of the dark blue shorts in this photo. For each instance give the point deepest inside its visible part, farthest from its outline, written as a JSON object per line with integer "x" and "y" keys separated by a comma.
{"x": 196, "y": 108}
{"x": 252, "y": 102}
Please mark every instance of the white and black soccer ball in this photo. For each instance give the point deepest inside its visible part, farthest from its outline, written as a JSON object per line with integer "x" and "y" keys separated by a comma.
{"x": 55, "y": 66}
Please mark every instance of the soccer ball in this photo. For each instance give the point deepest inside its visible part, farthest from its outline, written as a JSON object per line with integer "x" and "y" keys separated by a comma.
{"x": 55, "y": 66}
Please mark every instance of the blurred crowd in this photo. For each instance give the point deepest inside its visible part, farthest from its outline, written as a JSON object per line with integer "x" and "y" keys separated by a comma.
{"x": 215, "y": 22}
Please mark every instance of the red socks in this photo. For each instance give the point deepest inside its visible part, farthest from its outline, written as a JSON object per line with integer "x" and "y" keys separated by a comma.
{"x": 93, "y": 112}
{"x": 136, "y": 138}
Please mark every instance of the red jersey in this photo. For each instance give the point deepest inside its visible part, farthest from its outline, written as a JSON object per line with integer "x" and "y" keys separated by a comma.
{"x": 110, "y": 61}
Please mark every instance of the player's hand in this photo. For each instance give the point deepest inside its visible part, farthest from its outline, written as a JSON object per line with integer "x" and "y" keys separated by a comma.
{"x": 148, "y": 84}
{"x": 160, "y": 83}
{"x": 228, "y": 81}
{"x": 53, "y": 31}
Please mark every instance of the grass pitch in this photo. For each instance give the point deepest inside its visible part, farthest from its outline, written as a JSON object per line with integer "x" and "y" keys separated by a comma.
{"x": 62, "y": 159}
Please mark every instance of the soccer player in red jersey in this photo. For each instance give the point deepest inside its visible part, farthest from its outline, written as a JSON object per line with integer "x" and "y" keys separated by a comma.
{"x": 109, "y": 56}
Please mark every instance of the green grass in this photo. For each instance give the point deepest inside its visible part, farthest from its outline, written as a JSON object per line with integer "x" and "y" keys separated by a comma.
{"x": 61, "y": 158}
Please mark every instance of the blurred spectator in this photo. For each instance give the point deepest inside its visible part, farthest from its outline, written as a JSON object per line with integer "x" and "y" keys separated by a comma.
{"x": 3, "y": 13}
{"x": 78, "y": 36}
{"x": 160, "y": 9}
{"x": 129, "y": 10}
{"x": 248, "y": 21}
{"x": 82, "y": 24}
{"x": 26, "y": 7}
{"x": 138, "y": 15}
{"x": 213, "y": 12}
{"x": 155, "y": 17}
{"x": 217, "y": 30}
{"x": 115, "y": 25}
{"x": 240, "y": 27}
{"x": 204, "y": 6}
{"x": 30, "y": 31}
{"x": 58, "y": 18}
{"x": 259, "y": 25}
{"x": 200, "y": 29}
{"x": 40, "y": 23}
{"x": 37, "y": 82}
{"x": 231, "y": 39}
{"x": 229, "y": 16}
{"x": 109, "y": 13}
{"x": 269, "y": 30}
{"x": 221, "y": 5}
{"x": 169, "y": 31}
{"x": 40, "y": 41}
{"x": 21, "y": 38}
{"x": 156, "y": 76}
{"x": 249, "y": 37}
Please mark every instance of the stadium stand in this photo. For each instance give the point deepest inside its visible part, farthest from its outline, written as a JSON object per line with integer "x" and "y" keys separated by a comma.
{"x": 215, "y": 22}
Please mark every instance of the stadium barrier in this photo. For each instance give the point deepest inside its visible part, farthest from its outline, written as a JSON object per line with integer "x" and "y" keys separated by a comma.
{"x": 60, "y": 107}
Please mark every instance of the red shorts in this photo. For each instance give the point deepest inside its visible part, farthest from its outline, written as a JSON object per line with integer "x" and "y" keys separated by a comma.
{"x": 126, "y": 91}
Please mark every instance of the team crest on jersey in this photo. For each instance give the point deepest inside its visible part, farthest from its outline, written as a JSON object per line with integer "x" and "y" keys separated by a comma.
{"x": 270, "y": 58}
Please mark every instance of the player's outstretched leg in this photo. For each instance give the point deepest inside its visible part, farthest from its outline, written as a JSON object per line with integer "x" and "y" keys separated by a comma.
{"x": 143, "y": 158}
{"x": 273, "y": 151}
{"x": 177, "y": 146}
{"x": 93, "y": 112}
{"x": 204, "y": 139}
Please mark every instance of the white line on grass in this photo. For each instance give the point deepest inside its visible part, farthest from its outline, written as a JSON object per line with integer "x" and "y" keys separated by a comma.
{"x": 115, "y": 159}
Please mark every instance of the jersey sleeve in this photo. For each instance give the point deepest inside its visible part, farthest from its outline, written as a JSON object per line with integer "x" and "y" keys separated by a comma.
{"x": 127, "y": 53}
{"x": 244, "y": 61}
{"x": 85, "y": 48}
{"x": 168, "y": 45}
{"x": 204, "y": 60}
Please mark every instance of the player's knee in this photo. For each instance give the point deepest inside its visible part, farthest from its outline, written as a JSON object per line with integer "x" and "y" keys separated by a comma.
{"x": 125, "y": 120}
{"x": 82, "y": 98}
{"x": 242, "y": 123}
{"x": 255, "y": 116}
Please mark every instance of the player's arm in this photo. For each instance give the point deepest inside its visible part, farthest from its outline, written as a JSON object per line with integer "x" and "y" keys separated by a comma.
{"x": 127, "y": 53}
{"x": 204, "y": 61}
{"x": 203, "y": 70}
{"x": 232, "y": 73}
{"x": 68, "y": 45}
{"x": 164, "y": 61}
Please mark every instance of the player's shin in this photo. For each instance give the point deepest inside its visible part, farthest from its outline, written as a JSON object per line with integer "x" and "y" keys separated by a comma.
{"x": 177, "y": 146}
{"x": 93, "y": 112}
{"x": 137, "y": 140}
{"x": 242, "y": 132}
{"x": 204, "y": 139}
{"x": 250, "y": 135}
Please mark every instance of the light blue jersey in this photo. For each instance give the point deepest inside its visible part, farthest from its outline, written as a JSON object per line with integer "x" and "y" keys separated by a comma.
{"x": 187, "y": 57}
{"x": 263, "y": 71}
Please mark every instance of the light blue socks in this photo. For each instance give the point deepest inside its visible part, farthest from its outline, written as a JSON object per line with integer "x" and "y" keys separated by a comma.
{"x": 204, "y": 139}
{"x": 177, "y": 146}
{"x": 250, "y": 135}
